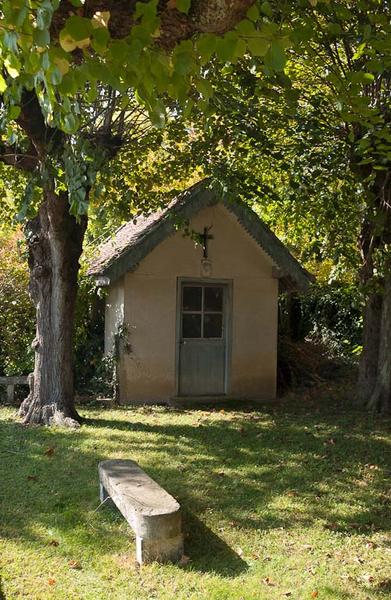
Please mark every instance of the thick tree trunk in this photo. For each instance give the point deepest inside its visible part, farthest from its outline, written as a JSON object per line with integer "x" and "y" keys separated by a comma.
{"x": 374, "y": 381}
{"x": 55, "y": 243}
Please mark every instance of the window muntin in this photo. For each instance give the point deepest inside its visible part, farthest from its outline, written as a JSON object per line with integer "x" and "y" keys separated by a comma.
{"x": 202, "y": 311}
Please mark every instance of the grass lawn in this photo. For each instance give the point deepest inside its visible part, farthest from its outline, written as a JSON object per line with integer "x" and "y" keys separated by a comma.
{"x": 281, "y": 502}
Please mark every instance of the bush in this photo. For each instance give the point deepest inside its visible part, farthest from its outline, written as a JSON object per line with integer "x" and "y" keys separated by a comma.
{"x": 17, "y": 313}
{"x": 319, "y": 335}
{"x": 330, "y": 315}
{"x": 94, "y": 372}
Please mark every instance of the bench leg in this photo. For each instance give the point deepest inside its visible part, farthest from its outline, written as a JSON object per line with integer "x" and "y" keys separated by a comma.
{"x": 10, "y": 393}
{"x": 105, "y": 497}
{"x": 161, "y": 550}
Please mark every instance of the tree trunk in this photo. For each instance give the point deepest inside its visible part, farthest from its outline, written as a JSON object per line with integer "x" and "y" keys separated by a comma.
{"x": 374, "y": 381}
{"x": 370, "y": 354}
{"x": 380, "y": 398}
{"x": 55, "y": 242}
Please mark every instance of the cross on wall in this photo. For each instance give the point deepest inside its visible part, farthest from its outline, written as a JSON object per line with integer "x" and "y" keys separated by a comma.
{"x": 205, "y": 237}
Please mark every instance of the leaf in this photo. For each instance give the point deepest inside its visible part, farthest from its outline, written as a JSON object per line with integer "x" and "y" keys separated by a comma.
{"x": 3, "y": 84}
{"x": 206, "y": 45}
{"x": 205, "y": 88}
{"x": 62, "y": 65}
{"x": 277, "y": 56}
{"x": 74, "y": 564}
{"x": 67, "y": 42}
{"x": 54, "y": 543}
{"x": 79, "y": 28}
{"x": 258, "y": 46}
{"x": 334, "y": 29}
{"x": 226, "y": 46}
{"x": 268, "y": 581}
{"x": 32, "y": 478}
{"x": 51, "y": 581}
{"x": 49, "y": 451}
{"x": 13, "y": 67}
{"x": 253, "y": 13}
{"x": 314, "y": 594}
{"x": 266, "y": 9}
{"x": 183, "y": 5}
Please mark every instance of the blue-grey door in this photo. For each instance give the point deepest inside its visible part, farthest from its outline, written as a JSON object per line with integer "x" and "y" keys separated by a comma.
{"x": 203, "y": 339}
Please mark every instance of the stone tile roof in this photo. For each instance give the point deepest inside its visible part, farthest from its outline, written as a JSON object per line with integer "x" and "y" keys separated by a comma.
{"x": 131, "y": 233}
{"x": 133, "y": 241}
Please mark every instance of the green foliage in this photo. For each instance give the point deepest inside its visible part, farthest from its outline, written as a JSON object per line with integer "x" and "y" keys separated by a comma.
{"x": 330, "y": 315}
{"x": 33, "y": 60}
{"x": 17, "y": 314}
{"x": 94, "y": 372}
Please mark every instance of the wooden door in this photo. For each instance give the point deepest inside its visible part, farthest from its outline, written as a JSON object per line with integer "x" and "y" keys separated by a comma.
{"x": 203, "y": 339}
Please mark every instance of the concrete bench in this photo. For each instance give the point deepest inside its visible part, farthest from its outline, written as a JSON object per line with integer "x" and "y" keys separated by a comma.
{"x": 153, "y": 514}
{"x": 11, "y": 382}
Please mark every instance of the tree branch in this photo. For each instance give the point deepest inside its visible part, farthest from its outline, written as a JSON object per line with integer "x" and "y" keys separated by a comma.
{"x": 211, "y": 16}
{"x": 25, "y": 161}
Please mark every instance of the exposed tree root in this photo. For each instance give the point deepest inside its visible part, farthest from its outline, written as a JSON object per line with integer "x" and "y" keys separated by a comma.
{"x": 47, "y": 415}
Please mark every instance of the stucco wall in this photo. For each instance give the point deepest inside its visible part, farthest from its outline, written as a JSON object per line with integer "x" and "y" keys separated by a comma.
{"x": 114, "y": 313}
{"x": 148, "y": 373}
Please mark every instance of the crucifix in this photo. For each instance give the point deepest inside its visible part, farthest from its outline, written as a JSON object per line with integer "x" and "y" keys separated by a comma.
{"x": 205, "y": 237}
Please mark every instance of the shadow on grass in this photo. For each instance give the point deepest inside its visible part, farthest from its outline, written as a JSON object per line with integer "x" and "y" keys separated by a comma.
{"x": 209, "y": 553}
{"x": 240, "y": 467}
{"x": 383, "y": 588}
{"x": 297, "y": 455}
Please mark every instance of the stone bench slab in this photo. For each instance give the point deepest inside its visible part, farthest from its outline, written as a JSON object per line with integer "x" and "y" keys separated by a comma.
{"x": 153, "y": 514}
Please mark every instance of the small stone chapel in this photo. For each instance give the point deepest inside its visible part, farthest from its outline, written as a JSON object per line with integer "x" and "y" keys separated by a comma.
{"x": 198, "y": 312}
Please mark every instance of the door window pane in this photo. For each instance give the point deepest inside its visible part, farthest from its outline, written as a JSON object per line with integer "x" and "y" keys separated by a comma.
{"x": 192, "y": 298}
{"x": 213, "y": 298}
{"x": 213, "y": 325}
{"x": 191, "y": 325}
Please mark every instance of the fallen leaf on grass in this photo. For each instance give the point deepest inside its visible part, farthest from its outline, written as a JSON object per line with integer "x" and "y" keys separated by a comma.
{"x": 51, "y": 581}
{"x": 49, "y": 451}
{"x": 54, "y": 543}
{"x": 287, "y": 594}
{"x": 32, "y": 478}
{"x": 74, "y": 564}
{"x": 314, "y": 594}
{"x": 184, "y": 560}
{"x": 330, "y": 442}
{"x": 268, "y": 581}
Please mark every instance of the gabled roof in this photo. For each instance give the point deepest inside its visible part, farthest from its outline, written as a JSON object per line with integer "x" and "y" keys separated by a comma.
{"x": 134, "y": 240}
